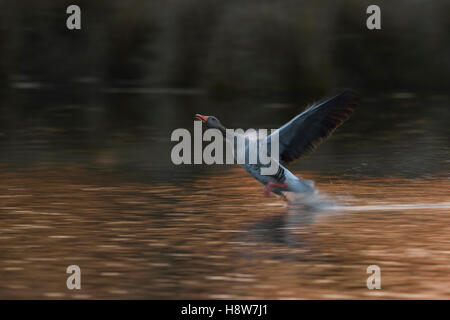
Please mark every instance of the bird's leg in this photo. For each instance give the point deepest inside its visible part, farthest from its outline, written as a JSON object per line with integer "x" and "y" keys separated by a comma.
{"x": 270, "y": 185}
{"x": 285, "y": 199}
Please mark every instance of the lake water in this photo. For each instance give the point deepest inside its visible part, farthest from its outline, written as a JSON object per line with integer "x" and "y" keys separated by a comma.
{"x": 86, "y": 179}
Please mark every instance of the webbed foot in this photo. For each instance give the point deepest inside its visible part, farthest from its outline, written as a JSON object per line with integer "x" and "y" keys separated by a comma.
{"x": 270, "y": 185}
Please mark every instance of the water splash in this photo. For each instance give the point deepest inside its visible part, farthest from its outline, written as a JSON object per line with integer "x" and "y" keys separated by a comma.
{"x": 382, "y": 207}
{"x": 321, "y": 201}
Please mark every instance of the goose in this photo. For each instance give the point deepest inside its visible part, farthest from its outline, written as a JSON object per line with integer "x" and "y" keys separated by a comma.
{"x": 297, "y": 138}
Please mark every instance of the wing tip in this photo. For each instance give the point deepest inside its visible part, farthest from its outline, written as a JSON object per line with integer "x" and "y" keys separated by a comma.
{"x": 346, "y": 101}
{"x": 349, "y": 96}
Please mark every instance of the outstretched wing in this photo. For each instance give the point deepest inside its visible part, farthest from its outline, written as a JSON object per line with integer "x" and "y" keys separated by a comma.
{"x": 306, "y": 131}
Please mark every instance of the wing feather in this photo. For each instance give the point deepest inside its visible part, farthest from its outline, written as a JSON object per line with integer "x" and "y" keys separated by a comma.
{"x": 306, "y": 131}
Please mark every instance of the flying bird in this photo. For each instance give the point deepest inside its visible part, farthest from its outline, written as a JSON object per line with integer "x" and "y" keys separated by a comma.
{"x": 297, "y": 138}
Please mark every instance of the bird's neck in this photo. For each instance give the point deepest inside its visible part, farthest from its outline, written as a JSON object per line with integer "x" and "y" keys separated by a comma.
{"x": 223, "y": 130}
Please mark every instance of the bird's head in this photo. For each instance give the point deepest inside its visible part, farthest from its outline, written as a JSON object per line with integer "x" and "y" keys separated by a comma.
{"x": 210, "y": 122}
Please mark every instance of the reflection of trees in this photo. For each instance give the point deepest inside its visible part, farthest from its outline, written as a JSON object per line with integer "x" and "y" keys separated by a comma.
{"x": 282, "y": 48}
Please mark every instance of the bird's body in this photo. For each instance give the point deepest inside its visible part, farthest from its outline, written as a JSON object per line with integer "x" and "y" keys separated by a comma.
{"x": 283, "y": 176}
{"x": 296, "y": 138}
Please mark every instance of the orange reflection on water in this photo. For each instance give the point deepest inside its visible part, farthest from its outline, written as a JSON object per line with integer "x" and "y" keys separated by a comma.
{"x": 219, "y": 237}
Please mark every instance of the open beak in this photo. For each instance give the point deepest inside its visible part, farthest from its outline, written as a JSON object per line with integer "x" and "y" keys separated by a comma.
{"x": 202, "y": 118}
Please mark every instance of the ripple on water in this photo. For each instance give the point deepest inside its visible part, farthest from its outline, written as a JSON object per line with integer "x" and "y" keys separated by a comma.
{"x": 201, "y": 241}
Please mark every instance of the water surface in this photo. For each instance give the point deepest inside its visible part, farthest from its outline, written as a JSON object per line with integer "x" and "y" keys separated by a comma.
{"x": 90, "y": 183}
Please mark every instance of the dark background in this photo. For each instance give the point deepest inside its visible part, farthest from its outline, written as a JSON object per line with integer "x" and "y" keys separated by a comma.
{"x": 109, "y": 95}
{"x": 277, "y": 49}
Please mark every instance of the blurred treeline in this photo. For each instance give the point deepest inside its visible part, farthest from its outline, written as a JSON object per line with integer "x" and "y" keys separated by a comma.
{"x": 280, "y": 48}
